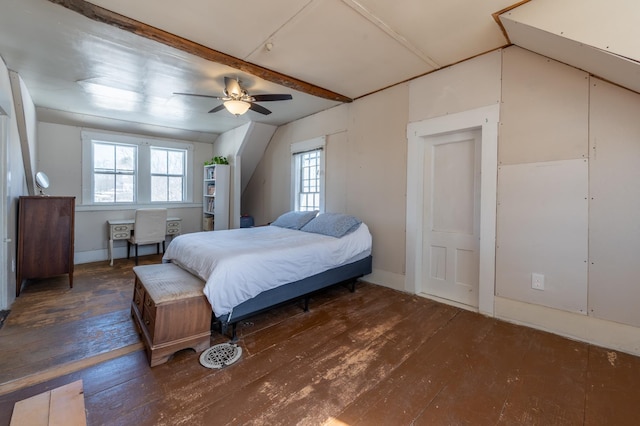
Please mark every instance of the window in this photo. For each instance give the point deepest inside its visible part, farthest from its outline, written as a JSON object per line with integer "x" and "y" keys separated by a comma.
{"x": 167, "y": 174}
{"x": 308, "y": 175}
{"x": 308, "y": 193}
{"x": 126, "y": 169}
{"x": 114, "y": 172}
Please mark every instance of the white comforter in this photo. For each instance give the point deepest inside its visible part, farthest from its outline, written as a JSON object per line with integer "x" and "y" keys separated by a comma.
{"x": 238, "y": 264}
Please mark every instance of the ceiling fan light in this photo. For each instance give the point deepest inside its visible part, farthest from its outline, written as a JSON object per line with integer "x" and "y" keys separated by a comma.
{"x": 237, "y": 107}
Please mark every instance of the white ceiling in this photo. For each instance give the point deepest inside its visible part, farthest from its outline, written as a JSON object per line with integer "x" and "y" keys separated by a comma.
{"x": 351, "y": 47}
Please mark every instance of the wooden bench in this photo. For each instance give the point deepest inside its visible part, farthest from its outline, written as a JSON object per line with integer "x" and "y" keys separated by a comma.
{"x": 170, "y": 311}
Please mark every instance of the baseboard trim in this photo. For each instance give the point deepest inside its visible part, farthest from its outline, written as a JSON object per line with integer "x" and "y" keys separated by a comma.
{"x": 68, "y": 368}
{"x": 599, "y": 332}
{"x": 449, "y": 302}
{"x": 386, "y": 279}
{"x": 103, "y": 254}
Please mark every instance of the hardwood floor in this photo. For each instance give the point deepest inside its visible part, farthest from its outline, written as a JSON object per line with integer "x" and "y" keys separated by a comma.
{"x": 373, "y": 357}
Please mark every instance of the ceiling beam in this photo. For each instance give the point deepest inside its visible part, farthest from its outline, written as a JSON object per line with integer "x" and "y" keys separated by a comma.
{"x": 100, "y": 14}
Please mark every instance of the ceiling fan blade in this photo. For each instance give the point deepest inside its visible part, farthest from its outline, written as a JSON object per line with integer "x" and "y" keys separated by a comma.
{"x": 273, "y": 97}
{"x": 195, "y": 94}
{"x": 232, "y": 86}
{"x": 259, "y": 108}
{"x": 218, "y": 108}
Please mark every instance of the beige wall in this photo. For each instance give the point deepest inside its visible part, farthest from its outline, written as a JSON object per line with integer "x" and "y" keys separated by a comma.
{"x": 568, "y": 196}
{"x": 549, "y": 219}
{"x": 542, "y": 181}
{"x": 614, "y": 203}
{"x": 365, "y": 170}
{"x": 268, "y": 193}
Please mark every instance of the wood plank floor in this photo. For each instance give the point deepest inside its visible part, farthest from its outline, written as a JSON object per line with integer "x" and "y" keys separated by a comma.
{"x": 373, "y": 357}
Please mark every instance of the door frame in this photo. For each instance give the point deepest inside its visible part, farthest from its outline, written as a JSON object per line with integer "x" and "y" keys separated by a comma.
{"x": 4, "y": 237}
{"x": 486, "y": 119}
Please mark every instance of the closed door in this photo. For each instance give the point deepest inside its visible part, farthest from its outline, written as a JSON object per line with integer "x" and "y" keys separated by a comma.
{"x": 451, "y": 238}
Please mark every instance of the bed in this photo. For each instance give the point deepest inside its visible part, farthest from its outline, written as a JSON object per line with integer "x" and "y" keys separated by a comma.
{"x": 248, "y": 270}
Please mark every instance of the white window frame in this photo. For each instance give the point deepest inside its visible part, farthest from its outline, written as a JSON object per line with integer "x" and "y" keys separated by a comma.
{"x": 297, "y": 148}
{"x": 168, "y": 175}
{"x": 142, "y": 194}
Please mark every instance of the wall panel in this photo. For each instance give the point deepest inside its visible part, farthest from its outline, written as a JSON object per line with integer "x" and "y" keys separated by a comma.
{"x": 614, "y": 216}
{"x": 462, "y": 87}
{"x": 377, "y": 175}
{"x": 545, "y": 112}
{"x": 542, "y": 228}
{"x": 336, "y": 160}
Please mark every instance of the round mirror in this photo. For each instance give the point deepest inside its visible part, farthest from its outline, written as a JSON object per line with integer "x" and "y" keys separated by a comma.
{"x": 42, "y": 181}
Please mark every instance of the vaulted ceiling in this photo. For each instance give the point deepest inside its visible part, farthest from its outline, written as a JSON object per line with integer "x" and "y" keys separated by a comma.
{"x": 117, "y": 63}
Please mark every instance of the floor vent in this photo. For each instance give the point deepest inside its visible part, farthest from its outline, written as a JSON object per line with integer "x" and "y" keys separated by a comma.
{"x": 221, "y": 355}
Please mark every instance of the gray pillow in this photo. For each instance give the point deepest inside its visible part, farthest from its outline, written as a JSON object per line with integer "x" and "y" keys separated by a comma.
{"x": 332, "y": 224}
{"x": 294, "y": 220}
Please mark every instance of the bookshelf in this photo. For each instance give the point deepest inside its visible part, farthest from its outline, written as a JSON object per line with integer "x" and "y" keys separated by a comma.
{"x": 215, "y": 197}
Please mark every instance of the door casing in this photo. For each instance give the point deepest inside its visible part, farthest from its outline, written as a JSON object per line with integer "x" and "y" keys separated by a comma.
{"x": 485, "y": 119}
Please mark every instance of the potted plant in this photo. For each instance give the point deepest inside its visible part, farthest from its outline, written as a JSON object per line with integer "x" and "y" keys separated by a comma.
{"x": 216, "y": 160}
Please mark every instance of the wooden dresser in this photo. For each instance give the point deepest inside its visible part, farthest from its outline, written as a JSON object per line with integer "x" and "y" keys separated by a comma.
{"x": 45, "y": 238}
{"x": 170, "y": 311}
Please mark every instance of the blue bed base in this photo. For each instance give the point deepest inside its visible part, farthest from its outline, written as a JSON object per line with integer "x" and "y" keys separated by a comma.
{"x": 299, "y": 289}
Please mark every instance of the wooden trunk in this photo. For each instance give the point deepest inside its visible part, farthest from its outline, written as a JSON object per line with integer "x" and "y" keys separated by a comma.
{"x": 168, "y": 323}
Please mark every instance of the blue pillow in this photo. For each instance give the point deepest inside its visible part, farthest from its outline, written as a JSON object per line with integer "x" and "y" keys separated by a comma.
{"x": 294, "y": 220}
{"x": 332, "y": 224}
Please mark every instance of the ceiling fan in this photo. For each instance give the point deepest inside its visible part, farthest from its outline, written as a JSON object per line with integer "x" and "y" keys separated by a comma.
{"x": 237, "y": 100}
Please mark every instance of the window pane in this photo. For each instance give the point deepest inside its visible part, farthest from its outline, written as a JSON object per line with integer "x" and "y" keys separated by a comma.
{"x": 125, "y": 158}
{"x": 158, "y": 188}
{"x": 308, "y": 181}
{"x": 104, "y": 188}
{"x": 175, "y": 189}
{"x": 104, "y": 157}
{"x": 158, "y": 161}
{"x": 124, "y": 188}
{"x": 176, "y": 162}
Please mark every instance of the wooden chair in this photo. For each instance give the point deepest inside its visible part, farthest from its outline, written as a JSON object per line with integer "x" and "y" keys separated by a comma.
{"x": 150, "y": 227}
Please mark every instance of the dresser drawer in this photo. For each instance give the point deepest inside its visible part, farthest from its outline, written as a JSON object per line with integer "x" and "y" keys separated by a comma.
{"x": 121, "y": 232}
{"x": 149, "y": 305}
{"x": 138, "y": 298}
{"x": 173, "y": 227}
{"x": 149, "y": 322}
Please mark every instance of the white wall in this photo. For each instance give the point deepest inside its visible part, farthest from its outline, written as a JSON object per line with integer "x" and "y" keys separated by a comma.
{"x": 244, "y": 147}
{"x": 60, "y": 157}
{"x": 13, "y": 179}
{"x": 227, "y": 145}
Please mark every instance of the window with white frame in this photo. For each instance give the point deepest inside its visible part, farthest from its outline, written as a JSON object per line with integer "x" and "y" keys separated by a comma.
{"x": 167, "y": 174}
{"x": 308, "y": 175}
{"x": 128, "y": 169}
{"x": 114, "y": 172}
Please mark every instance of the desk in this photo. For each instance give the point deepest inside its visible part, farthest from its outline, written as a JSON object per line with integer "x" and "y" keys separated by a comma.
{"x": 121, "y": 230}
